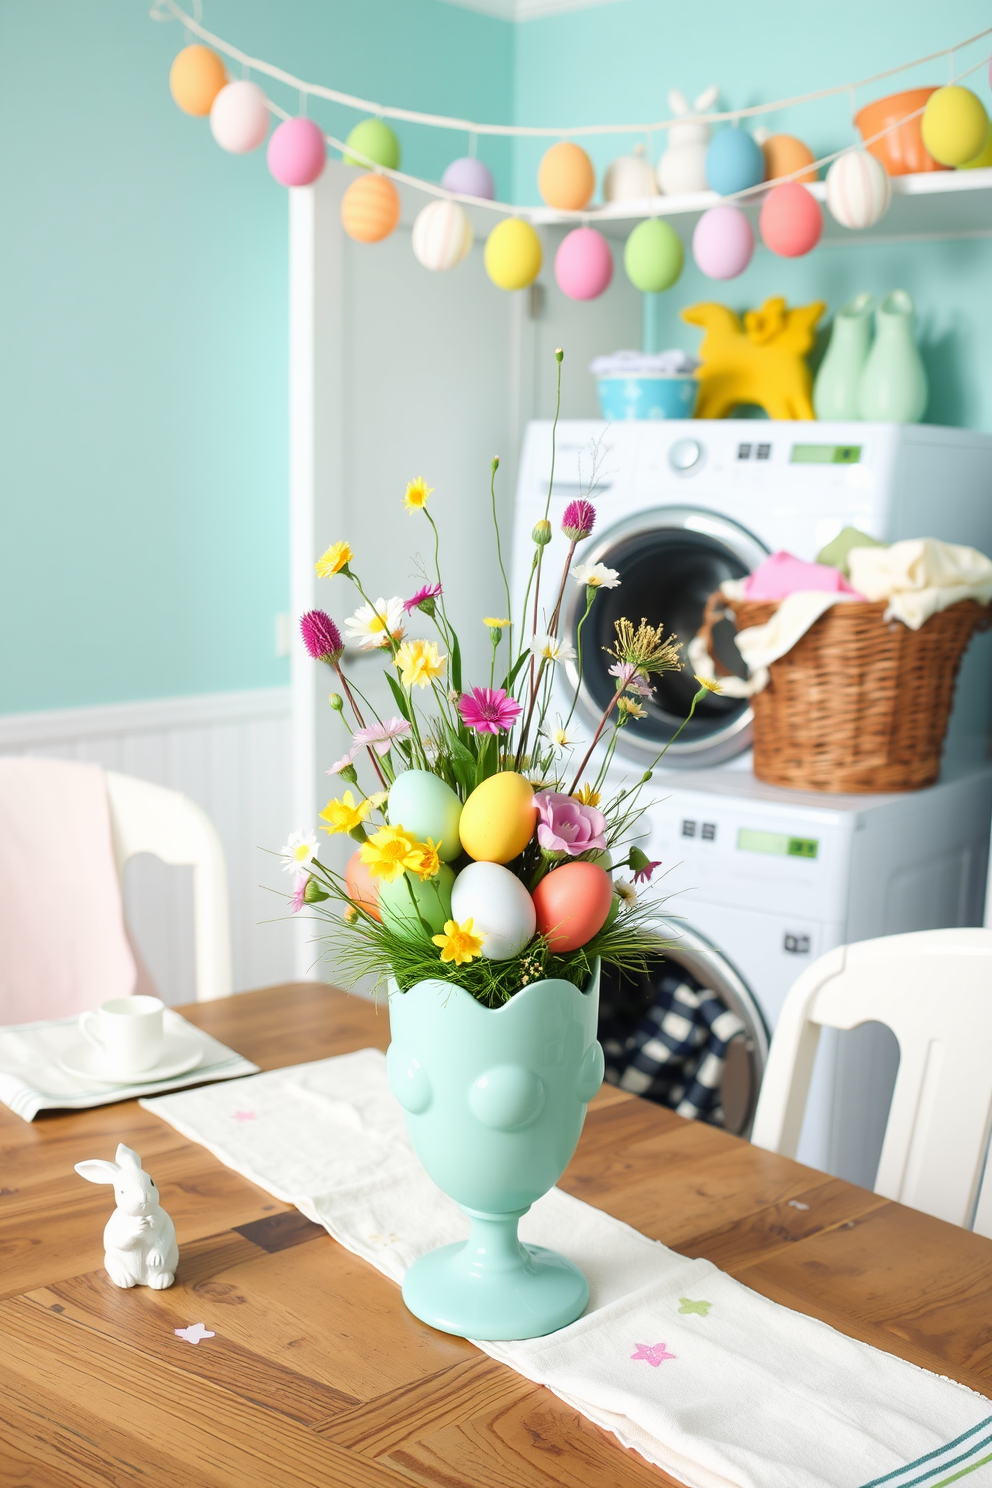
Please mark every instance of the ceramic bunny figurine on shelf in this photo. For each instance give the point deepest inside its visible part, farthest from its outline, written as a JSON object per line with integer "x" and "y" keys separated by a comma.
{"x": 139, "y": 1239}
{"x": 682, "y": 168}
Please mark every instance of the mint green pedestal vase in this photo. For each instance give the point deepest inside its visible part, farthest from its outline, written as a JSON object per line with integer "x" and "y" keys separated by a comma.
{"x": 495, "y": 1099}
{"x": 894, "y": 382}
{"x": 835, "y": 391}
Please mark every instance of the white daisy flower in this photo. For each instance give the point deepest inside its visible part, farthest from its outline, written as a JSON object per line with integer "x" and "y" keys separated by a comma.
{"x": 299, "y": 851}
{"x": 625, "y": 892}
{"x": 557, "y": 734}
{"x": 596, "y": 575}
{"x": 550, "y": 648}
{"x": 372, "y": 625}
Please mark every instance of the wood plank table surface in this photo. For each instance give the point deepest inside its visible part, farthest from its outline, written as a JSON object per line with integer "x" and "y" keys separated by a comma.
{"x": 316, "y": 1373}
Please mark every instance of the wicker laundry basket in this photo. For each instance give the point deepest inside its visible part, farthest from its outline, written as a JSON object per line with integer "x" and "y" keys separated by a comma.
{"x": 859, "y": 704}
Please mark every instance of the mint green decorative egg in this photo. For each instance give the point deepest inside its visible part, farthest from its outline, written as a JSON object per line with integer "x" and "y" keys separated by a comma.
{"x": 426, "y": 806}
{"x": 653, "y": 256}
{"x": 374, "y": 140}
{"x": 433, "y": 902}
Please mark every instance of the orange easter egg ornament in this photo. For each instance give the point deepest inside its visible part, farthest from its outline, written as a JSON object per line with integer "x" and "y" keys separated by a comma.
{"x": 362, "y": 887}
{"x": 370, "y": 209}
{"x": 566, "y": 178}
{"x": 572, "y": 905}
{"x": 195, "y": 78}
{"x": 784, "y": 154}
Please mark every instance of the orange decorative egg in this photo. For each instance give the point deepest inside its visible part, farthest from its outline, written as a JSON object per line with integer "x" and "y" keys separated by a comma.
{"x": 370, "y": 209}
{"x": 572, "y": 904}
{"x": 361, "y": 886}
{"x": 784, "y": 154}
{"x": 195, "y": 78}
{"x": 566, "y": 178}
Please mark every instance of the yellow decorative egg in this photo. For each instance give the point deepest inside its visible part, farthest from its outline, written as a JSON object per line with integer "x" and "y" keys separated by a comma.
{"x": 498, "y": 819}
{"x": 955, "y": 126}
{"x": 513, "y": 254}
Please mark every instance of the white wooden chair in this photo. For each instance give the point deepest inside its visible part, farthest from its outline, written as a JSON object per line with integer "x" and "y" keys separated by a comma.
{"x": 934, "y": 990}
{"x": 147, "y": 818}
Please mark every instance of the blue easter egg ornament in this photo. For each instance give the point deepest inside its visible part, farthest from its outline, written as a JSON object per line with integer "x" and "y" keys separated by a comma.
{"x": 734, "y": 162}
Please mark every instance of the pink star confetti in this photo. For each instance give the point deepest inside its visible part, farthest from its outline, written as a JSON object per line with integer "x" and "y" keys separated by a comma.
{"x": 244, "y": 1115}
{"x": 195, "y": 1333}
{"x": 651, "y": 1353}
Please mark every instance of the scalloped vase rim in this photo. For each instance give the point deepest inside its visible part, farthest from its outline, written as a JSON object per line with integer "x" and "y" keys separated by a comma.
{"x": 452, "y": 988}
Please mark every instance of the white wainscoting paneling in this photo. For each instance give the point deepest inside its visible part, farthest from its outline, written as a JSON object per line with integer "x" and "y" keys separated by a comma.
{"x": 229, "y": 752}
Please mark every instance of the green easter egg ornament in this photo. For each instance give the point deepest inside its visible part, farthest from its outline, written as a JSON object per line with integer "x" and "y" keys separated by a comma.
{"x": 653, "y": 256}
{"x": 433, "y": 897}
{"x": 374, "y": 139}
{"x": 427, "y": 807}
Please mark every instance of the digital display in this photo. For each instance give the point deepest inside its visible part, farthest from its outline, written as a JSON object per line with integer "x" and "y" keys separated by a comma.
{"x": 825, "y": 454}
{"x": 780, "y": 844}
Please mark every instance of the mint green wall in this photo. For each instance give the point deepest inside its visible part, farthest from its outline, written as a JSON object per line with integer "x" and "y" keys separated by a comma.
{"x": 143, "y": 332}
{"x": 617, "y": 62}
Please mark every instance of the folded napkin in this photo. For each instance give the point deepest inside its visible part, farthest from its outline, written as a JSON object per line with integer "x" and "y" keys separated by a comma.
{"x": 63, "y": 947}
{"x": 705, "y": 1378}
{"x": 32, "y": 1080}
{"x": 673, "y": 363}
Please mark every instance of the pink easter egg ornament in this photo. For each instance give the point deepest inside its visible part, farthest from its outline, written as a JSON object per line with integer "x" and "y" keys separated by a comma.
{"x": 239, "y": 120}
{"x": 790, "y": 222}
{"x": 722, "y": 243}
{"x": 296, "y": 153}
{"x": 583, "y": 264}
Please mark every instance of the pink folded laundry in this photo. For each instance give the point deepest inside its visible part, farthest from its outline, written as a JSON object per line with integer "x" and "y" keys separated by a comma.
{"x": 783, "y": 574}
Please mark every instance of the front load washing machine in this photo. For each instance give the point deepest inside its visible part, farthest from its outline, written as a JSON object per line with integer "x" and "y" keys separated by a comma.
{"x": 760, "y": 880}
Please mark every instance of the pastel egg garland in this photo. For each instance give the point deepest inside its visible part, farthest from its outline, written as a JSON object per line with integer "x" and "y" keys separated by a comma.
{"x": 442, "y": 236}
{"x": 239, "y": 119}
{"x": 468, "y": 176}
{"x": 791, "y": 222}
{"x": 374, "y": 141}
{"x": 583, "y": 264}
{"x": 297, "y": 153}
{"x": 955, "y": 125}
{"x": 653, "y": 256}
{"x": 195, "y": 78}
{"x": 370, "y": 209}
{"x": 722, "y": 243}
{"x": 858, "y": 190}
{"x": 566, "y": 178}
{"x": 734, "y": 162}
{"x": 513, "y": 254}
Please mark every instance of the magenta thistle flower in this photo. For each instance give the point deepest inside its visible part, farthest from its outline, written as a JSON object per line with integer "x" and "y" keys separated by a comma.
{"x": 321, "y": 636}
{"x": 578, "y": 520}
{"x": 379, "y": 736}
{"x": 423, "y": 599}
{"x": 566, "y": 828}
{"x": 488, "y": 709}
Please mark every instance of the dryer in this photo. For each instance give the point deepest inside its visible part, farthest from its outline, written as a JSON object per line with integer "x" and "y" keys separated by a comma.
{"x": 760, "y": 880}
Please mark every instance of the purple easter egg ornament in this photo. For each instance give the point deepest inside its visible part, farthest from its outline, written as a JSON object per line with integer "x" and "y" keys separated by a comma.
{"x": 469, "y": 177}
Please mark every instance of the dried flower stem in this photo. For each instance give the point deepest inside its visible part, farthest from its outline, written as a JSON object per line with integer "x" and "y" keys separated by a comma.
{"x": 361, "y": 722}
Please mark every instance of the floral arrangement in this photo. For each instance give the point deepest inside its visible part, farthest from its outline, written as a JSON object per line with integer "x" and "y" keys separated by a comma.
{"x": 485, "y": 854}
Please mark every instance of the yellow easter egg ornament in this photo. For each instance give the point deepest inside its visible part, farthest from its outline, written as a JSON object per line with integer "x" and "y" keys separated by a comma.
{"x": 566, "y": 178}
{"x": 370, "y": 209}
{"x": 498, "y": 819}
{"x": 195, "y": 78}
{"x": 513, "y": 254}
{"x": 955, "y": 126}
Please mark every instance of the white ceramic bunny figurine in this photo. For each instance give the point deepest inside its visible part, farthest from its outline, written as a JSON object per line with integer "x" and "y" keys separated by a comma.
{"x": 139, "y": 1239}
{"x": 682, "y": 168}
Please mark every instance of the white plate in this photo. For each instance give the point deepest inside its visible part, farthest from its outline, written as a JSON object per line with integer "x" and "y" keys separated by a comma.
{"x": 178, "y": 1055}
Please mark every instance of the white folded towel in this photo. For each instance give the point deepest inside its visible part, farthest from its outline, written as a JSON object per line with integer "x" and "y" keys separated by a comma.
{"x": 921, "y": 577}
{"x": 704, "y": 1377}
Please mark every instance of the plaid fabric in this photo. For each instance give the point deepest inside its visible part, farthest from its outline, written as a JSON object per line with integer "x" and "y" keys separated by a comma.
{"x": 674, "y": 1052}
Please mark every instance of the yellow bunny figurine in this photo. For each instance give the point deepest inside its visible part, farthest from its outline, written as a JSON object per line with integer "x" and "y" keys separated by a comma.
{"x": 759, "y": 360}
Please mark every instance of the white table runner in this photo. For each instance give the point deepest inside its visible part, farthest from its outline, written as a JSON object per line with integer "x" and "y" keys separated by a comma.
{"x": 704, "y": 1377}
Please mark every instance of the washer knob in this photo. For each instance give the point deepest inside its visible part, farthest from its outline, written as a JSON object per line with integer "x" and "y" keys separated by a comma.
{"x": 685, "y": 455}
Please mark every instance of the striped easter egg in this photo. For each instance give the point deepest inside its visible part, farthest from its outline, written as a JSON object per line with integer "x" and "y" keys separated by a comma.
{"x": 858, "y": 189}
{"x": 442, "y": 236}
{"x": 370, "y": 209}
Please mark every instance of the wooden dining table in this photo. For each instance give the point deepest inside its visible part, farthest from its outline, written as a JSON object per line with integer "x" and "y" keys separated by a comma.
{"x": 315, "y": 1373}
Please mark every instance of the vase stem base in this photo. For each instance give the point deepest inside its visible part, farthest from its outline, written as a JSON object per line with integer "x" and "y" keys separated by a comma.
{"x": 493, "y": 1287}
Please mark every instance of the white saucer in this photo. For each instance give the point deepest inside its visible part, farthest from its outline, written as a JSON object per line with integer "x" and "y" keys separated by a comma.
{"x": 178, "y": 1055}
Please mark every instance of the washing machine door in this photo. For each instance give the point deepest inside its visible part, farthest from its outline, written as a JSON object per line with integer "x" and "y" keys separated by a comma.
{"x": 670, "y": 560}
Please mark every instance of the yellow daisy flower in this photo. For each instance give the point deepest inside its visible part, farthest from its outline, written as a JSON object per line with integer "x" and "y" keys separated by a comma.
{"x": 333, "y": 560}
{"x": 630, "y": 708}
{"x": 494, "y": 623}
{"x": 389, "y": 852}
{"x": 709, "y": 683}
{"x": 344, "y": 815}
{"x": 459, "y": 943}
{"x": 429, "y": 865}
{"x": 419, "y": 663}
{"x": 417, "y": 493}
{"x": 586, "y": 796}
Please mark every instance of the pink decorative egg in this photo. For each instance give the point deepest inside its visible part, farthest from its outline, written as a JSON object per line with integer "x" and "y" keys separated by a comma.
{"x": 583, "y": 264}
{"x": 572, "y": 903}
{"x": 791, "y": 221}
{"x": 722, "y": 243}
{"x": 469, "y": 177}
{"x": 239, "y": 120}
{"x": 296, "y": 153}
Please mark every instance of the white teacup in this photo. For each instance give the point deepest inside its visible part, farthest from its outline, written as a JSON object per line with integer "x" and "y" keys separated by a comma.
{"x": 127, "y": 1031}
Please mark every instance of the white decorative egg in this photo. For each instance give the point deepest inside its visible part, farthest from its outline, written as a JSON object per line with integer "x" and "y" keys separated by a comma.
{"x": 629, "y": 178}
{"x": 500, "y": 906}
{"x": 858, "y": 189}
{"x": 442, "y": 235}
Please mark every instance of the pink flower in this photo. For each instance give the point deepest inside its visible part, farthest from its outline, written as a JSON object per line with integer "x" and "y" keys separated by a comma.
{"x": 629, "y": 679}
{"x": 488, "y": 709}
{"x": 380, "y": 735}
{"x": 641, "y": 865}
{"x": 342, "y": 763}
{"x": 566, "y": 827}
{"x": 296, "y": 900}
{"x": 578, "y": 519}
{"x": 423, "y": 599}
{"x": 321, "y": 636}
